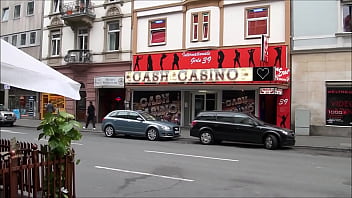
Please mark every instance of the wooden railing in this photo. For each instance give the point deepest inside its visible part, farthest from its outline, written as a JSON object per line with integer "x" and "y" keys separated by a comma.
{"x": 32, "y": 172}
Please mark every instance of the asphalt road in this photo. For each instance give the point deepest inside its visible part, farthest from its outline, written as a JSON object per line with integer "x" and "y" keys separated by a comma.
{"x": 135, "y": 167}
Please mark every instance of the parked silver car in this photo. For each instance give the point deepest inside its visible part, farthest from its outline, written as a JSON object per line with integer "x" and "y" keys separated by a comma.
{"x": 138, "y": 123}
{"x": 6, "y": 116}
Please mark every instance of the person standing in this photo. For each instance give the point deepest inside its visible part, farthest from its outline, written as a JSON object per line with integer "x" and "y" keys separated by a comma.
{"x": 50, "y": 107}
{"x": 91, "y": 115}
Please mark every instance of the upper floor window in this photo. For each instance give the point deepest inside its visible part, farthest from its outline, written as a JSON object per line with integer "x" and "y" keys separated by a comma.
{"x": 17, "y": 12}
{"x": 113, "y": 36}
{"x": 257, "y": 22}
{"x": 30, "y": 7}
{"x": 5, "y": 14}
{"x": 157, "y": 29}
{"x": 32, "y": 38}
{"x": 346, "y": 13}
{"x": 200, "y": 26}
{"x": 6, "y": 38}
{"x": 23, "y": 38}
{"x": 55, "y": 43}
{"x": 55, "y": 6}
{"x": 14, "y": 40}
{"x": 82, "y": 39}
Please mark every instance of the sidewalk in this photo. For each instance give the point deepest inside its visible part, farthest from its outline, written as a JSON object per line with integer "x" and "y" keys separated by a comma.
{"x": 314, "y": 142}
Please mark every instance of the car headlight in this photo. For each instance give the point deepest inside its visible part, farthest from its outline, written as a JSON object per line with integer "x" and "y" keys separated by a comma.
{"x": 166, "y": 128}
{"x": 284, "y": 132}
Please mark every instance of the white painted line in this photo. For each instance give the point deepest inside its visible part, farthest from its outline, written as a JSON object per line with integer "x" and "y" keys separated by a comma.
{"x": 141, "y": 173}
{"x": 71, "y": 142}
{"x": 8, "y": 131}
{"x": 196, "y": 156}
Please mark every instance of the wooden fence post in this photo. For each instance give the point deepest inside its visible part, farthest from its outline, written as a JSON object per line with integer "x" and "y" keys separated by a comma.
{"x": 13, "y": 161}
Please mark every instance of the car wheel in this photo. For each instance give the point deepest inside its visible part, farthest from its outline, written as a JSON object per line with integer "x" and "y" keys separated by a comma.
{"x": 152, "y": 134}
{"x": 206, "y": 137}
{"x": 271, "y": 142}
{"x": 109, "y": 131}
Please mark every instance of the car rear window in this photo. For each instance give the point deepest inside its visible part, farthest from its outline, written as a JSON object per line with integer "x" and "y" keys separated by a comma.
{"x": 210, "y": 117}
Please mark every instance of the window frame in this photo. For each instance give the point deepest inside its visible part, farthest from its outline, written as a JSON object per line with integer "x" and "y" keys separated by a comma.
{"x": 14, "y": 42}
{"x": 6, "y": 38}
{"x": 15, "y": 11}
{"x": 150, "y": 29}
{"x": 5, "y": 12}
{"x": 23, "y": 39}
{"x": 344, "y": 4}
{"x": 57, "y": 43}
{"x": 30, "y": 38}
{"x": 115, "y": 32}
{"x": 247, "y": 20}
{"x": 28, "y": 7}
{"x": 200, "y": 25}
{"x": 55, "y": 3}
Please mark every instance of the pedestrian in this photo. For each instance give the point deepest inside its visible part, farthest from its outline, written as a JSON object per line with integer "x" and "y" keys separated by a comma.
{"x": 50, "y": 107}
{"x": 91, "y": 115}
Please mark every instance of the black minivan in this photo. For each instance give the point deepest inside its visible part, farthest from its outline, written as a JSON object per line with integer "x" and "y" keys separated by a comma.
{"x": 215, "y": 126}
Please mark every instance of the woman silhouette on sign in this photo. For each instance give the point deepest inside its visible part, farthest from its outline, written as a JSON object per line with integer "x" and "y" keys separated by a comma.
{"x": 150, "y": 63}
{"x": 283, "y": 121}
{"x": 278, "y": 56}
{"x": 176, "y": 59}
{"x": 136, "y": 65}
{"x": 221, "y": 57}
{"x": 163, "y": 56}
{"x": 237, "y": 58}
{"x": 251, "y": 60}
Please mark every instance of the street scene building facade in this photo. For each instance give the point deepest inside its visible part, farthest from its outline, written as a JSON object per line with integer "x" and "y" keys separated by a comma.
{"x": 90, "y": 42}
{"x": 321, "y": 65}
{"x": 21, "y": 24}
{"x": 192, "y": 56}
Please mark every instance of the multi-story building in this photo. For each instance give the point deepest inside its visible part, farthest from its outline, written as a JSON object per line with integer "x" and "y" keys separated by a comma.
{"x": 21, "y": 25}
{"x": 321, "y": 64}
{"x": 195, "y": 55}
{"x": 89, "y": 41}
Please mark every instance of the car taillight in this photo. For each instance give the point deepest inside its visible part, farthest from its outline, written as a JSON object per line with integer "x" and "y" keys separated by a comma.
{"x": 194, "y": 123}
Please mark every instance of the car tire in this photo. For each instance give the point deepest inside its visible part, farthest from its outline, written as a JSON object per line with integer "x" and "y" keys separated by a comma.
{"x": 271, "y": 142}
{"x": 206, "y": 137}
{"x": 152, "y": 134}
{"x": 109, "y": 131}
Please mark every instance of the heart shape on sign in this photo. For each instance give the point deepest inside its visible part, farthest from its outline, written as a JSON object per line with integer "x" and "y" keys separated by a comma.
{"x": 263, "y": 72}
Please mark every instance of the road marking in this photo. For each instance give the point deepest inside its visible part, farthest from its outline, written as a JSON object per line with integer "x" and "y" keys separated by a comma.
{"x": 141, "y": 173}
{"x": 196, "y": 156}
{"x": 71, "y": 142}
{"x": 9, "y": 131}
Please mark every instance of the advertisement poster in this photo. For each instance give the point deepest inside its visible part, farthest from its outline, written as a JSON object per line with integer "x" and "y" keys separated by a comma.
{"x": 339, "y": 106}
{"x": 239, "y": 101}
{"x": 164, "y": 105}
{"x": 283, "y": 113}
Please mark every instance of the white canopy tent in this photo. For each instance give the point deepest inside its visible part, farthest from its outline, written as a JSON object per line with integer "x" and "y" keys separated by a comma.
{"x": 18, "y": 69}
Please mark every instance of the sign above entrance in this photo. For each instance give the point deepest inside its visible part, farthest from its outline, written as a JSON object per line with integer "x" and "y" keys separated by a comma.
{"x": 190, "y": 76}
{"x": 109, "y": 82}
{"x": 270, "y": 90}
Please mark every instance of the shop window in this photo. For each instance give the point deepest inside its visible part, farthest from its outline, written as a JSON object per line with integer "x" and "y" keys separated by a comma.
{"x": 55, "y": 43}
{"x": 338, "y": 104}
{"x": 257, "y": 22}
{"x": 30, "y": 7}
{"x": 200, "y": 26}
{"x": 113, "y": 35}
{"x": 17, "y": 12}
{"x": 5, "y": 14}
{"x": 157, "y": 29}
{"x": 346, "y": 15}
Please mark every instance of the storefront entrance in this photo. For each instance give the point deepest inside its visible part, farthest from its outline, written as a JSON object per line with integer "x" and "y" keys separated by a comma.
{"x": 268, "y": 108}
{"x": 203, "y": 102}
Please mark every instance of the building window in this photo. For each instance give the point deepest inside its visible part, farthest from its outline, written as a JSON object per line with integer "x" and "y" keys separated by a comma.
{"x": 338, "y": 104}
{"x": 200, "y": 26}
{"x": 17, "y": 12}
{"x": 346, "y": 13}
{"x": 5, "y": 14}
{"x": 257, "y": 22}
{"x": 23, "y": 38}
{"x": 157, "y": 32}
{"x": 82, "y": 39}
{"x": 113, "y": 36}
{"x": 14, "y": 40}
{"x": 30, "y": 7}
{"x": 55, "y": 43}
{"x": 6, "y": 38}
{"x": 32, "y": 38}
{"x": 55, "y": 6}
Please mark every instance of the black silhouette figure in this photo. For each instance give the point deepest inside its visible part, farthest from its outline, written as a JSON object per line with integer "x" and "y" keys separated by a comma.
{"x": 251, "y": 60}
{"x": 278, "y": 57}
{"x": 237, "y": 58}
{"x": 136, "y": 65}
{"x": 221, "y": 57}
{"x": 150, "y": 63}
{"x": 176, "y": 59}
{"x": 163, "y": 56}
{"x": 283, "y": 121}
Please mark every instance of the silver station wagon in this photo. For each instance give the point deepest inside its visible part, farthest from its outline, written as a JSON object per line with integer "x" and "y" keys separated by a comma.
{"x": 138, "y": 123}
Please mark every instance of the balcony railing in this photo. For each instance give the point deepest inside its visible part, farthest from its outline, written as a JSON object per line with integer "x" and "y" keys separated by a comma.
{"x": 77, "y": 14}
{"x": 77, "y": 8}
{"x": 78, "y": 56}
